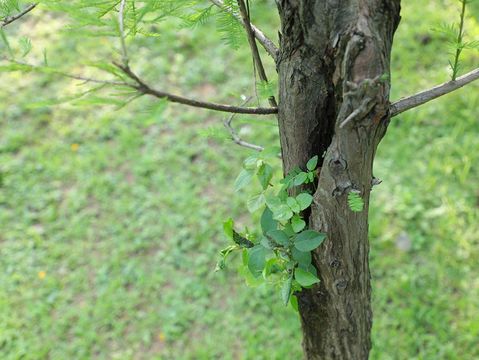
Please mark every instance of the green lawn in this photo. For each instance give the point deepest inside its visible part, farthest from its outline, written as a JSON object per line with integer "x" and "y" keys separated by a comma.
{"x": 111, "y": 220}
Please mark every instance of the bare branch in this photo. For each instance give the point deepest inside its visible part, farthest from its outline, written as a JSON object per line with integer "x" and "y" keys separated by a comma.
{"x": 244, "y": 11}
{"x": 121, "y": 21}
{"x": 423, "y": 97}
{"x": 144, "y": 88}
{"x": 234, "y": 135}
{"x": 10, "y": 19}
{"x": 268, "y": 45}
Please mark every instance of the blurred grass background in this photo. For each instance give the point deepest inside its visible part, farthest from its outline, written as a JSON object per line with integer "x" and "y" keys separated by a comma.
{"x": 111, "y": 219}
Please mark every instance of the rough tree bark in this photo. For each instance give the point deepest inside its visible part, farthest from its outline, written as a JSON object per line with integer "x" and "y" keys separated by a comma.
{"x": 334, "y": 68}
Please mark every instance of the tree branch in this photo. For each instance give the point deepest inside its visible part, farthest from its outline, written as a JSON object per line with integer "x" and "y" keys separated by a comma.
{"x": 423, "y": 97}
{"x": 46, "y": 69}
{"x": 267, "y": 43}
{"x": 10, "y": 19}
{"x": 144, "y": 88}
{"x": 258, "y": 64}
{"x": 234, "y": 135}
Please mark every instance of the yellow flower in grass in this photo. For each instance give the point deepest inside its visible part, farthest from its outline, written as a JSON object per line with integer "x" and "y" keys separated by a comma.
{"x": 74, "y": 147}
{"x": 42, "y": 274}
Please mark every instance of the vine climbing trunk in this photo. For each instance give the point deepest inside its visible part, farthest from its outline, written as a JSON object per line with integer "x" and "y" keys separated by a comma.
{"x": 334, "y": 66}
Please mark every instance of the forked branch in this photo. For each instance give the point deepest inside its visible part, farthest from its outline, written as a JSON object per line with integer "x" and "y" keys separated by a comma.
{"x": 267, "y": 43}
{"x": 10, "y": 19}
{"x": 234, "y": 135}
{"x": 423, "y": 97}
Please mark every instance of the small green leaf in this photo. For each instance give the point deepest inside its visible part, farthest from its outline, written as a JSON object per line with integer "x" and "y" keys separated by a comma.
{"x": 250, "y": 162}
{"x": 304, "y": 200}
{"x": 273, "y": 202}
{"x": 302, "y": 257}
{"x": 312, "y": 163}
{"x": 270, "y": 267}
{"x": 310, "y": 176}
{"x": 308, "y": 240}
{"x": 305, "y": 278}
{"x": 294, "y": 302}
{"x": 286, "y": 290}
{"x": 256, "y": 260}
{"x": 283, "y": 213}
{"x": 255, "y": 203}
{"x": 355, "y": 201}
{"x": 293, "y": 205}
{"x": 228, "y": 228}
{"x": 267, "y": 221}
{"x": 300, "y": 179}
{"x": 243, "y": 179}
{"x": 297, "y": 223}
{"x": 265, "y": 173}
{"x": 279, "y": 237}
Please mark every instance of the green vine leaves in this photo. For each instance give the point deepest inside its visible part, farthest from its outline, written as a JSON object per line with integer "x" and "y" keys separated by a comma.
{"x": 280, "y": 253}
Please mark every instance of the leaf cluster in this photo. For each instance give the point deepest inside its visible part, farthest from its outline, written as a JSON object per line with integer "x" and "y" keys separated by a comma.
{"x": 281, "y": 253}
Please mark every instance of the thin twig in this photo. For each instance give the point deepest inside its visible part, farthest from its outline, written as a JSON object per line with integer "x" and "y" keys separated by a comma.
{"x": 423, "y": 97}
{"x": 64, "y": 74}
{"x": 244, "y": 11}
{"x": 267, "y": 43}
{"x": 10, "y": 19}
{"x": 121, "y": 21}
{"x": 144, "y": 88}
{"x": 234, "y": 135}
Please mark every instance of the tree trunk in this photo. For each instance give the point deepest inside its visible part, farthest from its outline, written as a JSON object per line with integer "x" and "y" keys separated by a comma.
{"x": 334, "y": 68}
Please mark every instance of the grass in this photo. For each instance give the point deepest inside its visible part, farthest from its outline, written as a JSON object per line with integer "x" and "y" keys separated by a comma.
{"x": 111, "y": 219}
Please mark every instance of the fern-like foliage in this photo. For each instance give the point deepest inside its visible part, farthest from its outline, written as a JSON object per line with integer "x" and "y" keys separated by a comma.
{"x": 455, "y": 37}
{"x": 229, "y": 26}
{"x": 8, "y": 7}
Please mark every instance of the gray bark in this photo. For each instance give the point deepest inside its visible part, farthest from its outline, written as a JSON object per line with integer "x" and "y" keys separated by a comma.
{"x": 334, "y": 68}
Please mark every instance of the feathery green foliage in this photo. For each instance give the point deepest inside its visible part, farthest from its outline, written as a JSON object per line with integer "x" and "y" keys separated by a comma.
{"x": 455, "y": 36}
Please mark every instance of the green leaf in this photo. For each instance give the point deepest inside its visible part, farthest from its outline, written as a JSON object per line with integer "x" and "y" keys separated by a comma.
{"x": 304, "y": 200}
{"x": 294, "y": 302}
{"x": 255, "y": 203}
{"x": 312, "y": 163}
{"x": 305, "y": 278}
{"x": 297, "y": 223}
{"x": 302, "y": 257}
{"x": 228, "y": 228}
{"x": 250, "y": 162}
{"x": 286, "y": 290}
{"x": 300, "y": 179}
{"x": 283, "y": 213}
{"x": 256, "y": 260}
{"x": 265, "y": 173}
{"x": 308, "y": 240}
{"x": 273, "y": 202}
{"x": 293, "y": 204}
{"x": 243, "y": 179}
{"x": 279, "y": 237}
{"x": 272, "y": 266}
{"x": 267, "y": 221}
{"x": 355, "y": 201}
